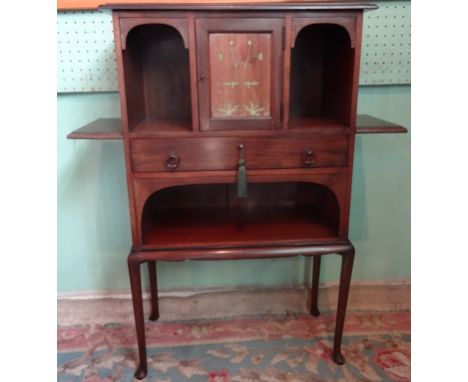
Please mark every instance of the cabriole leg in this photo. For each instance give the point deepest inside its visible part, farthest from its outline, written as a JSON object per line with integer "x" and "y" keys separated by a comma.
{"x": 345, "y": 280}
{"x": 135, "y": 283}
{"x": 315, "y": 286}
{"x": 153, "y": 290}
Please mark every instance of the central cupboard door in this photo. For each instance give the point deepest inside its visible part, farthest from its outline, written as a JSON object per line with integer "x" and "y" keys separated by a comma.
{"x": 239, "y": 73}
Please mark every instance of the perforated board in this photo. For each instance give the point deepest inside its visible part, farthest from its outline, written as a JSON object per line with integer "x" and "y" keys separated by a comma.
{"x": 86, "y": 54}
{"x": 386, "y": 44}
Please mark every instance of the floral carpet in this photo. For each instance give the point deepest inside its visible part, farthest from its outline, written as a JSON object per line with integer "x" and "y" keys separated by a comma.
{"x": 267, "y": 349}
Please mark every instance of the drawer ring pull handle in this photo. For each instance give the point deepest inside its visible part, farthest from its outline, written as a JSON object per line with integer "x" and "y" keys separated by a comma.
{"x": 173, "y": 161}
{"x": 308, "y": 158}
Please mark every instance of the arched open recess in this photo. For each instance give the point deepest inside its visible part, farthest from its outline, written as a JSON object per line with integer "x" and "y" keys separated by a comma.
{"x": 321, "y": 79}
{"x": 210, "y": 215}
{"x": 128, "y": 24}
{"x": 157, "y": 78}
{"x": 349, "y": 24}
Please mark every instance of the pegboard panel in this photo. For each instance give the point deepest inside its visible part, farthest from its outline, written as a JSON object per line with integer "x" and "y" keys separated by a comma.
{"x": 86, "y": 55}
{"x": 386, "y": 44}
{"x": 85, "y": 52}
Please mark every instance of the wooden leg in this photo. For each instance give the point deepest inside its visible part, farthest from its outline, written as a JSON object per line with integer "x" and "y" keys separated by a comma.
{"x": 135, "y": 283}
{"x": 153, "y": 290}
{"x": 315, "y": 286}
{"x": 345, "y": 280}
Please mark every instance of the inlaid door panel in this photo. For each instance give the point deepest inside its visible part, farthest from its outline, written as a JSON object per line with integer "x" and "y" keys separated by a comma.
{"x": 239, "y": 63}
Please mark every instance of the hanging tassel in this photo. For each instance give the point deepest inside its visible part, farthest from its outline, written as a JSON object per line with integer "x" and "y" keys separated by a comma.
{"x": 241, "y": 175}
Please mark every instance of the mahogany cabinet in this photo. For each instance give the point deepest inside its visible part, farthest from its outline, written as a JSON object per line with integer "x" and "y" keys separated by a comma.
{"x": 238, "y": 123}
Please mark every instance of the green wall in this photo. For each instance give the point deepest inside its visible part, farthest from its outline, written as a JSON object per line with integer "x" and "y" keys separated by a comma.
{"x": 93, "y": 219}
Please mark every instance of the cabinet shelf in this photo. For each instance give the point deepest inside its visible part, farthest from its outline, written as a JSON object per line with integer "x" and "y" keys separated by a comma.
{"x": 365, "y": 124}
{"x": 236, "y": 226}
{"x": 111, "y": 128}
{"x": 211, "y": 215}
{"x": 103, "y": 128}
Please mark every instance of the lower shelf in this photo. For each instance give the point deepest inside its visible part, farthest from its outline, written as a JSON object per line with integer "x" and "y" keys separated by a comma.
{"x": 236, "y": 227}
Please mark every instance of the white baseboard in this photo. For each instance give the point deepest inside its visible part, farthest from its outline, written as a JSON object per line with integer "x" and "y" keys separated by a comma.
{"x": 101, "y": 307}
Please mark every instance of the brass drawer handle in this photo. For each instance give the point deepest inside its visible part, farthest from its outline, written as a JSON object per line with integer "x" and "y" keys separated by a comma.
{"x": 308, "y": 158}
{"x": 173, "y": 161}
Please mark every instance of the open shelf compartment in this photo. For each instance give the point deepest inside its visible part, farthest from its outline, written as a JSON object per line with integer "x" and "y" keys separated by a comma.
{"x": 211, "y": 215}
{"x": 322, "y": 62}
{"x": 157, "y": 79}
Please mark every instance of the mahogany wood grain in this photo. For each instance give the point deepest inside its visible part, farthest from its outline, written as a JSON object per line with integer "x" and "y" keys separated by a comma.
{"x": 353, "y": 86}
{"x": 103, "y": 128}
{"x": 128, "y": 23}
{"x": 165, "y": 66}
{"x": 169, "y": 179}
{"x": 148, "y": 193}
{"x": 321, "y": 72}
{"x": 178, "y": 129}
{"x": 157, "y": 75}
{"x": 366, "y": 124}
{"x": 153, "y": 285}
{"x": 137, "y": 257}
{"x": 126, "y": 118}
{"x": 240, "y": 253}
{"x": 193, "y": 73}
{"x": 381, "y": 130}
{"x": 130, "y": 69}
{"x": 206, "y": 154}
{"x": 272, "y": 212}
{"x": 355, "y": 74}
{"x": 63, "y": 5}
{"x": 111, "y": 128}
{"x": 135, "y": 283}
{"x": 306, "y": 79}
{"x": 234, "y": 227}
{"x": 242, "y": 6}
{"x": 284, "y": 111}
{"x": 315, "y": 286}
{"x": 338, "y": 75}
{"x": 348, "y": 22}
{"x": 347, "y": 258}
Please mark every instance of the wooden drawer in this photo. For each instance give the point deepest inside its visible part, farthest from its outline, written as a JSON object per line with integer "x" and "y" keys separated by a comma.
{"x": 222, "y": 153}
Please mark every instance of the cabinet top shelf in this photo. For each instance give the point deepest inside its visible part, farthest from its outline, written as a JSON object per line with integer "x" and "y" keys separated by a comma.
{"x": 111, "y": 128}
{"x": 244, "y": 6}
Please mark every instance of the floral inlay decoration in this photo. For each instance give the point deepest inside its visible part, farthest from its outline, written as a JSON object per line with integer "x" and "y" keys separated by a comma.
{"x": 240, "y": 66}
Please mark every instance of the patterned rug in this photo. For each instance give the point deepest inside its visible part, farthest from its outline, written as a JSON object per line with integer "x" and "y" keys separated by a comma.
{"x": 267, "y": 349}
